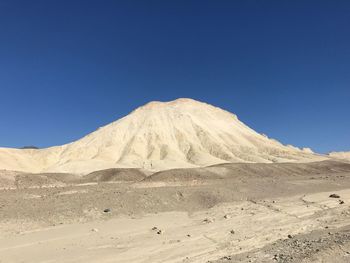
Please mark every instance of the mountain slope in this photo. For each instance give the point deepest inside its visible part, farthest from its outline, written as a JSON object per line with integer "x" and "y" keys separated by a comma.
{"x": 158, "y": 136}
{"x": 340, "y": 155}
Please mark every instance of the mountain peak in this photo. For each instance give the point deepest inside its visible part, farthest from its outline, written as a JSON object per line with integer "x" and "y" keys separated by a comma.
{"x": 179, "y": 101}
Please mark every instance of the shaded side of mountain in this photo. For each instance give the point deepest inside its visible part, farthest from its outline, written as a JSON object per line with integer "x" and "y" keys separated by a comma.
{"x": 9, "y": 179}
{"x": 114, "y": 174}
{"x": 232, "y": 170}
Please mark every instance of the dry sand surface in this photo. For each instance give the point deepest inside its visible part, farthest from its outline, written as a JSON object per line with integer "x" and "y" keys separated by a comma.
{"x": 222, "y": 213}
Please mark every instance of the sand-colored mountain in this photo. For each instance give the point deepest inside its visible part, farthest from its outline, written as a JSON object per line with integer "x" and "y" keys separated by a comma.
{"x": 158, "y": 136}
{"x": 340, "y": 155}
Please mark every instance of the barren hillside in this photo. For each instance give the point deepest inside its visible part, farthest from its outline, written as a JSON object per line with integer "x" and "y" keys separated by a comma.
{"x": 159, "y": 135}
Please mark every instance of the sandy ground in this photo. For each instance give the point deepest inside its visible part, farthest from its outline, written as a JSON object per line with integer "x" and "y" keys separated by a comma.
{"x": 224, "y": 213}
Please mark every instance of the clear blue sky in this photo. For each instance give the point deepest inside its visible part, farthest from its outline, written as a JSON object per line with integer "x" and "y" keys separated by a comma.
{"x": 68, "y": 67}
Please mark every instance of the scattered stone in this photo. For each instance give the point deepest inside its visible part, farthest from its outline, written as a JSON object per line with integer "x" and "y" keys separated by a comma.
{"x": 290, "y": 236}
{"x": 107, "y": 210}
{"x": 232, "y": 232}
{"x": 188, "y": 235}
{"x": 334, "y": 196}
{"x": 154, "y": 228}
{"x": 159, "y": 232}
{"x": 207, "y": 220}
{"x": 281, "y": 258}
{"x": 94, "y": 230}
{"x": 341, "y": 202}
{"x": 227, "y": 216}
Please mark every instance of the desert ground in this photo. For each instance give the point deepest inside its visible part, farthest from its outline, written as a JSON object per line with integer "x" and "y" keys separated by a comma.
{"x": 223, "y": 213}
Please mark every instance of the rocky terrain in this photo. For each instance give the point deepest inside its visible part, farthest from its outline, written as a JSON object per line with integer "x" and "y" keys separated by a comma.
{"x": 179, "y": 181}
{"x": 288, "y": 212}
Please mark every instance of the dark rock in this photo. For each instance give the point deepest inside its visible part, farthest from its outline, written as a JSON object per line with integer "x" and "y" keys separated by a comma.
{"x": 334, "y": 196}
{"x": 208, "y": 220}
{"x": 29, "y": 147}
{"x": 107, "y": 210}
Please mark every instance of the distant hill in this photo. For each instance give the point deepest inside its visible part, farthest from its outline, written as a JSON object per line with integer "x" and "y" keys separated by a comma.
{"x": 29, "y": 147}
{"x": 340, "y": 155}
